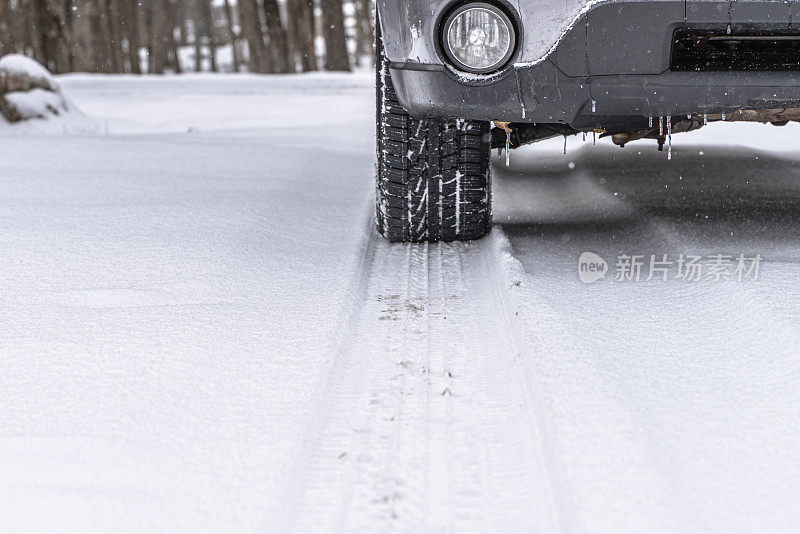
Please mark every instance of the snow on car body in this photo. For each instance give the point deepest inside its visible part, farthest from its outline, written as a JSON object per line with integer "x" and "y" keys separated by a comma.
{"x": 630, "y": 69}
{"x": 579, "y": 61}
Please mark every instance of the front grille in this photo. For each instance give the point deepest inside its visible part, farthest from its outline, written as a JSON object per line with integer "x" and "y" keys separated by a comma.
{"x": 694, "y": 50}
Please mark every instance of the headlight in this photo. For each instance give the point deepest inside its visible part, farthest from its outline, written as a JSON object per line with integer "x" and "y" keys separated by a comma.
{"x": 478, "y": 38}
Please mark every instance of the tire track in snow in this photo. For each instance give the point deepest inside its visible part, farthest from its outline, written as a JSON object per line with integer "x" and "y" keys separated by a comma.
{"x": 562, "y": 385}
{"x": 298, "y": 472}
{"x": 427, "y": 423}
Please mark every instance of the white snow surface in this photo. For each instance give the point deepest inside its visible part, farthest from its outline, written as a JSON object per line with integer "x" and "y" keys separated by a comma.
{"x": 37, "y": 103}
{"x": 200, "y": 331}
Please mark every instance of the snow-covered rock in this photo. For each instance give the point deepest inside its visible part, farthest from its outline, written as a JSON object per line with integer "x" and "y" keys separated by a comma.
{"x": 25, "y": 73}
{"x": 28, "y": 90}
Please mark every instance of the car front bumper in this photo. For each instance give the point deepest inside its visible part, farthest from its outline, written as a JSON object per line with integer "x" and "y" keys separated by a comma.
{"x": 613, "y": 60}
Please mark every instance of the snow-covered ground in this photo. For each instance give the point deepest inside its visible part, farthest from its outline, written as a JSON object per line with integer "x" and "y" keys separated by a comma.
{"x": 199, "y": 331}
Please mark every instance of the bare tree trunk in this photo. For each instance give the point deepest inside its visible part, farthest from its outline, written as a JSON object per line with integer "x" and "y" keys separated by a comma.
{"x": 301, "y": 28}
{"x": 113, "y": 12}
{"x": 179, "y": 9}
{"x": 102, "y": 42}
{"x": 208, "y": 20}
{"x": 181, "y": 21}
{"x": 92, "y": 45}
{"x": 358, "y": 7}
{"x": 336, "y": 57}
{"x": 65, "y": 58}
{"x": 16, "y": 27}
{"x": 35, "y": 16}
{"x": 232, "y": 36}
{"x": 53, "y": 45}
{"x": 368, "y": 21}
{"x": 277, "y": 38}
{"x": 6, "y": 42}
{"x": 155, "y": 36}
{"x": 291, "y": 37}
{"x": 27, "y": 29}
{"x": 171, "y": 9}
{"x": 251, "y": 27}
{"x": 364, "y": 33}
{"x": 130, "y": 8}
{"x": 198, "y": 42}
{"x": 66, "y": 21}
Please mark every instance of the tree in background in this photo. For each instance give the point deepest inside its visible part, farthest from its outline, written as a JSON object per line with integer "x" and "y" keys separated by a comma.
{"x": 6, "y": 40}
{"x": 251, "y": 29}
{"x": 197, "y": 24}
{"x": 135, "y": 36}
{"x": 301, "y": 33}
{"x": 278, "y": 46}
{"x": 113, "y": 21}
{"x": 210, "y": 31}
{"x": 172, "y": 54}
{"x": 155, "y": 22}
{"x": 131, "y": 33}
{"x": 232, "y": 36}
{"x": 51, "y": 42}
{"x": 336, "y": 57}
{"x": 365, "y": 35}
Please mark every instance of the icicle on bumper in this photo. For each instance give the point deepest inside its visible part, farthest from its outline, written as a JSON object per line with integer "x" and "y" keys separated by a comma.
{"x": 669, "y": 137}
{"x": 503, "y": 125}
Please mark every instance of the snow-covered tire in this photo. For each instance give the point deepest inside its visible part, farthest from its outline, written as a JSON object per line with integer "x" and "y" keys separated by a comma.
{"x": 433, "y": 178}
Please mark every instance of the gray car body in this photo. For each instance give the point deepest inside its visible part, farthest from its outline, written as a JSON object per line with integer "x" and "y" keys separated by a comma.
{"x": 584, "y": 63}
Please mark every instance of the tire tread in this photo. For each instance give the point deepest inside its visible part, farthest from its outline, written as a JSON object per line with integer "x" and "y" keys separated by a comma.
{"x": 433, "y": 179}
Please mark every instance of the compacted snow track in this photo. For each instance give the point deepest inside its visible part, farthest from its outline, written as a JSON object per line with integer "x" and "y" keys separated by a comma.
{"x": 432, "y": 362}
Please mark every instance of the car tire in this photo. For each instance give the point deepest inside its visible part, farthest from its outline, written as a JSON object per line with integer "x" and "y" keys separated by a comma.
{"x": 433, "y": 177}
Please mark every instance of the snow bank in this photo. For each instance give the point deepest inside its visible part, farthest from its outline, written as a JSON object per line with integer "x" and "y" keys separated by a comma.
{"x": 28, "y": 91}
{"x": 37, "y": 103}
{"x": 205, "y": 102}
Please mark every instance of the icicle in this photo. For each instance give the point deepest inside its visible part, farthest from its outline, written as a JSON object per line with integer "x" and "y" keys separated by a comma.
{"x": 669, "y": 137}
{"x": 594, "y": 106}
{"x": 705, "y": 119}
{"x": 565, "y": 145}
{"x": 660, "y": 126}
{"x": 523, "y": 112}
{"x": 508, "y": 148}
{"x": 650, "y": 122}
{"x": 728, "y": 30}
{"x": 723, "y": 115}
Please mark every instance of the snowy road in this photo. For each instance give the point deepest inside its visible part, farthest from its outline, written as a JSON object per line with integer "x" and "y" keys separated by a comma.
{"x": 199, "y": 332}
